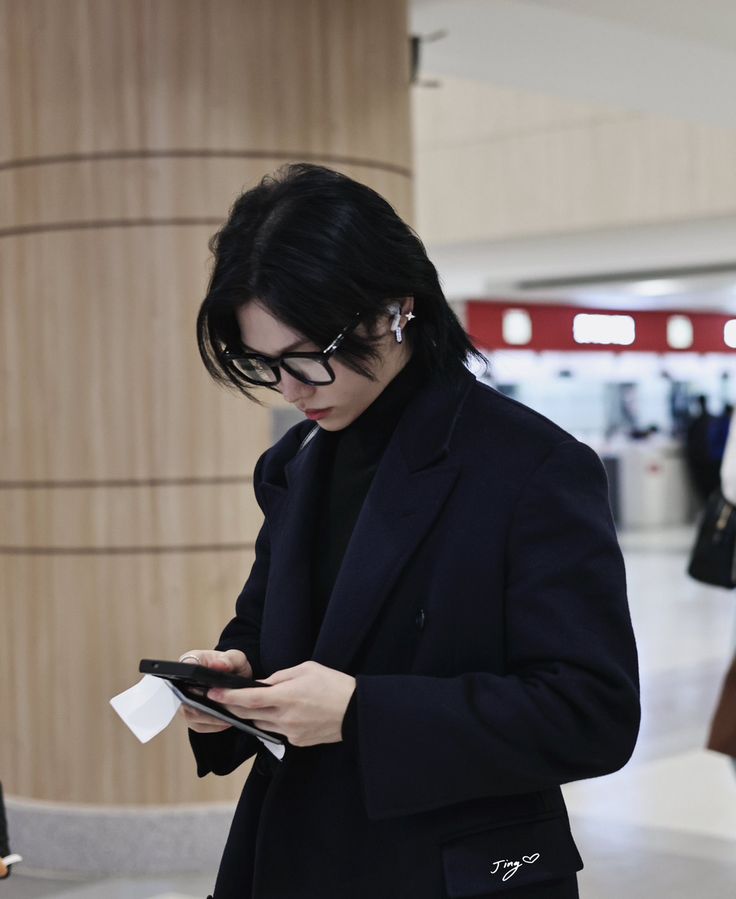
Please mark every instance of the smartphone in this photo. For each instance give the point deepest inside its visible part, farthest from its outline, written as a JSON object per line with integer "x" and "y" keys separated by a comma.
{"x": 210, "y": 707}
{"x": 183, "y": 674}
{"x": 189, "y": 684}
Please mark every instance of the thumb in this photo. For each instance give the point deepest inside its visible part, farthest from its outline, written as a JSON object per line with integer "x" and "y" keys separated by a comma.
{"x": 237, "y": 662}
{"x": 211, "y": 658}
{"x": 225, "y": 661}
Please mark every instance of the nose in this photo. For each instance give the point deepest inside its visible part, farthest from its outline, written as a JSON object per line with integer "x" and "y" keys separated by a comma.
{"x": 292, "y": 389}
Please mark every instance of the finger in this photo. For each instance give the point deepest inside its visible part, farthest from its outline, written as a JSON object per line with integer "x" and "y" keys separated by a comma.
{"x": 234, "y": 660}
{"x": 207, "y": 727}
{"x": 198, "y": 719}
{"x": 236, "y": 657}
{"x": 220, "y": 661}
{"x": 247, "y": 714}
{"x": 210, "y": 658}
{"x": 285, "y": 674}
{"x": 247, "y": 698}
{"x": 213, "y": 658}
{"x": 195, "y": 717}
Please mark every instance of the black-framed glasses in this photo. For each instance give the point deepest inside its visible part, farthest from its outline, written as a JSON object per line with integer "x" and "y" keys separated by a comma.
{"x": 309, "y": 368}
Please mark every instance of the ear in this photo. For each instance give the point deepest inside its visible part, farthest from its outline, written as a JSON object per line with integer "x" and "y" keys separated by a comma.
{"x": 407, "y": 305}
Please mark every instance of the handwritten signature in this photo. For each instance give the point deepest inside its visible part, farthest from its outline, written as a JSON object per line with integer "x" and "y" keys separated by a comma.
{"x": 510, "y": 867}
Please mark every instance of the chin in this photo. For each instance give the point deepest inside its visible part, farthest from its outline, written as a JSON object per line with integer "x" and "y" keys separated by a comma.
{"x": 335, "y": 423}
{"x": 328, "y": 426}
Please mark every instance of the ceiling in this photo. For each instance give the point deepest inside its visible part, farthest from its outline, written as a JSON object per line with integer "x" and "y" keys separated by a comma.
{"x": 677, "y": 265}
{"x": 671, "y": 58}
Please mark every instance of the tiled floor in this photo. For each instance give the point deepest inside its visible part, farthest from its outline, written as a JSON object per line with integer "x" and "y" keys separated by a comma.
{"x": 664, "y": 827}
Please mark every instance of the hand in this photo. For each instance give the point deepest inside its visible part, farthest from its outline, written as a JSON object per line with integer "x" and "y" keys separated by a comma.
{"x": 306, "y": 703}
{"x": 233, "y": 661}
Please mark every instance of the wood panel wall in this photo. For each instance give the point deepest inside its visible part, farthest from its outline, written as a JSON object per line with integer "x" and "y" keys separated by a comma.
{"x": 495, "y": 163}
{"x": 128, "y": 518}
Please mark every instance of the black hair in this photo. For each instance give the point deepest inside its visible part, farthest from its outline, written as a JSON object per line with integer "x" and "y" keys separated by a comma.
{"x": 315, "y": 247}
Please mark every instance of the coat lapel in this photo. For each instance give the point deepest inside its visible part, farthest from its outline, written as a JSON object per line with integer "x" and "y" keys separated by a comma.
{"x": 291, "y": 510}
{"x": 398, "y": 510}
{"x": 406, "y": 494}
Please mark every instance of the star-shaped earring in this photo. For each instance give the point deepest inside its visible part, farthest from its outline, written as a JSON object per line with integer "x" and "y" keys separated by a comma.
{"x": 409, "y": 316}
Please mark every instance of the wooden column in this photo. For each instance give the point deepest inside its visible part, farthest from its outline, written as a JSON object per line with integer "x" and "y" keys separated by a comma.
{"x": 128, "y": 518}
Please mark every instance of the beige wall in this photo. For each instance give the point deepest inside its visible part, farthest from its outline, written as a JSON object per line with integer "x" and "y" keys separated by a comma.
{"x": 493, "y": 163}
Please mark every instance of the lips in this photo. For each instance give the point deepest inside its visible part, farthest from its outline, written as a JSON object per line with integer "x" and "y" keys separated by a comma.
{"x": 316, "y": 414}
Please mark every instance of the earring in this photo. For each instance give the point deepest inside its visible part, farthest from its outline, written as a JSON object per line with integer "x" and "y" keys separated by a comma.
{"x": 396, "y": 326}
{"x": 396, "y": 323}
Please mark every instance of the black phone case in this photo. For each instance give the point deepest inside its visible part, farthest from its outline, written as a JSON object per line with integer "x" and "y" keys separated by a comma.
{"x": 196, "y": 675}
{"x": 211, "y": 707}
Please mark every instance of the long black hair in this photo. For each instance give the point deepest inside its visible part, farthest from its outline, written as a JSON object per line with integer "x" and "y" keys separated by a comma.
{"x": 315, "y": 247}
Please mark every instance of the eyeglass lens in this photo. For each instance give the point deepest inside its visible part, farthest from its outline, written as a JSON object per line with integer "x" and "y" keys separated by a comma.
{"x": 256, "y": 369}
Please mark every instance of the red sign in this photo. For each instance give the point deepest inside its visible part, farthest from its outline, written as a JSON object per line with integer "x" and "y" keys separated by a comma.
{"x": 552, "y": 328}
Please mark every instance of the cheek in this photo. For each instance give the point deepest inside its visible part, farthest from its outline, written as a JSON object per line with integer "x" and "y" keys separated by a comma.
{"x": 345, "y": 394}
{"x": 348, "y": 387}
{"x": 350, "y": 383}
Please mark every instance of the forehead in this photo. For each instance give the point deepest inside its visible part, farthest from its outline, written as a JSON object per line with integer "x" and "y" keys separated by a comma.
{"x": 263, "y": 332}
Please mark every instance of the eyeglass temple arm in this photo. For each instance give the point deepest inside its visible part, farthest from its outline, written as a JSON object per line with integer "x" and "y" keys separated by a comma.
{"x": 338, "y": 340}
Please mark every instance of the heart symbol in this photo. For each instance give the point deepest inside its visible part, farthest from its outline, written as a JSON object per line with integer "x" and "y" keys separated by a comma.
{"x": 530, "y": 858}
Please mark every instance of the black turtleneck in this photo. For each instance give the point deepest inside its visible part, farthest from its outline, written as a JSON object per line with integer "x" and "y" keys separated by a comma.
{"x": 351, "y": 457}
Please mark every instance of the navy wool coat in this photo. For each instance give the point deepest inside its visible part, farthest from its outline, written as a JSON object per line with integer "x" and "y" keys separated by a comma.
{"x": 481, "y": 606}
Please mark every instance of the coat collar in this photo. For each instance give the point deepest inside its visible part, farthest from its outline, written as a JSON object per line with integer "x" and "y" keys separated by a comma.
{"x": 413, "y": 478}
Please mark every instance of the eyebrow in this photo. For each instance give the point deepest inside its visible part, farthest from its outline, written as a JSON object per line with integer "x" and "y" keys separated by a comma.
{"x": 287, "y": 349}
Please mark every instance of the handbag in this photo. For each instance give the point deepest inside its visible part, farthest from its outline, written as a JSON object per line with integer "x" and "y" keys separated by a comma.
{"x": 713, "y": 559}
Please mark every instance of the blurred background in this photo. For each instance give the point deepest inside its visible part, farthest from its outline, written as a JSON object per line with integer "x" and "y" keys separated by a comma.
{"x": 570, "y": 166}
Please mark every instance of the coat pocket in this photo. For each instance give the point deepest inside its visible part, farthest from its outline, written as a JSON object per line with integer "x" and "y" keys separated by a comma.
{"x": 509, "y": 856}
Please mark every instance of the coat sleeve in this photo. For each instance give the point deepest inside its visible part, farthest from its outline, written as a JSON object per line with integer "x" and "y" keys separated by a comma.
{"x": 567, "y": 706}
{"x": 223, "y": 752}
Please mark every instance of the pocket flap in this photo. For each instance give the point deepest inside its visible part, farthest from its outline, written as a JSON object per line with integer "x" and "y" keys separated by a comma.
{"x": 509, "y": 856}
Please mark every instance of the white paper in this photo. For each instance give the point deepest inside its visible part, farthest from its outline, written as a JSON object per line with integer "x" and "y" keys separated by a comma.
{"x": 278, "y": 749}
{"x": 149, "y": 707}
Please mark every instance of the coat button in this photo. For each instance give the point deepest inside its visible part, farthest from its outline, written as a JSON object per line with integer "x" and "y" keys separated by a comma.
{"x": 419, "y": 620}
